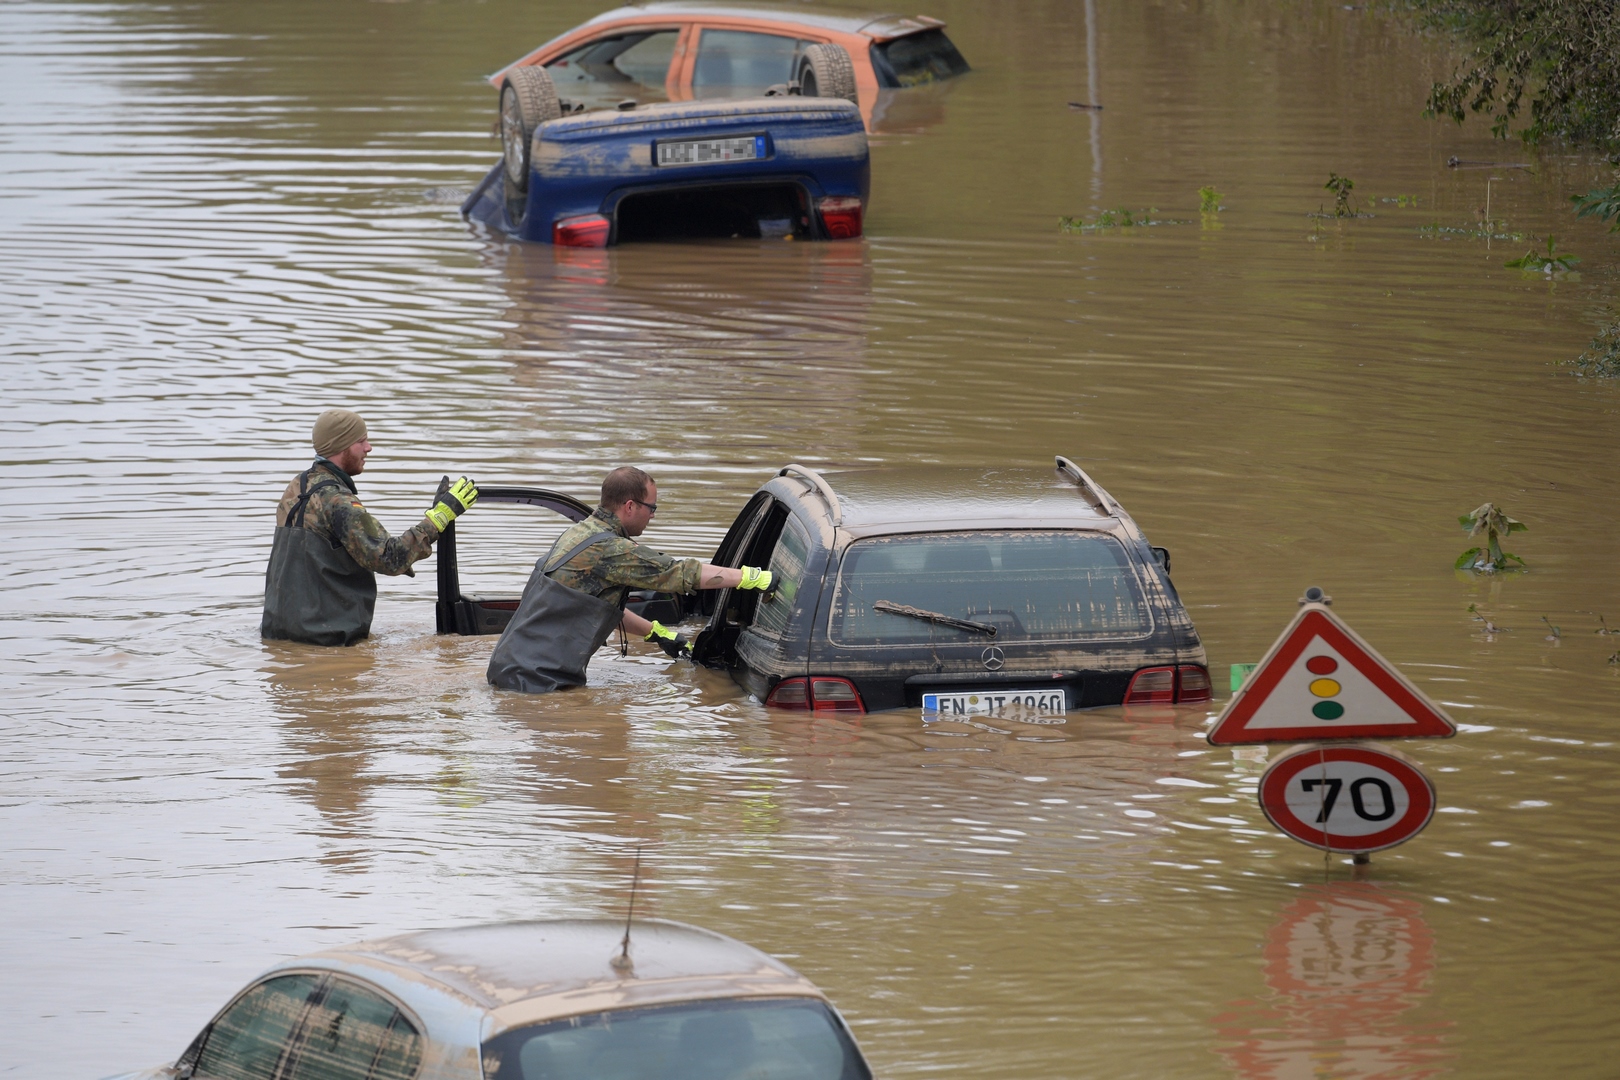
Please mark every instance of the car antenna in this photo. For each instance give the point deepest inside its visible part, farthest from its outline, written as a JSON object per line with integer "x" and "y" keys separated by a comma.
{"x": 622, "y": 963}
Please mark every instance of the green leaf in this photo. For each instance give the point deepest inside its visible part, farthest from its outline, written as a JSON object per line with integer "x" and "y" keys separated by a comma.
{"x": 1466, "y": 559}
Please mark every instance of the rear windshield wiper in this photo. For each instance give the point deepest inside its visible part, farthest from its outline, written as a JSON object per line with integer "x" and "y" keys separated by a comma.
{"x": 891, "y": 608}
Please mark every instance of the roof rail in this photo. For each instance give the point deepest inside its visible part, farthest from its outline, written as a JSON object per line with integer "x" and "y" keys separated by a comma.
{"x": 815, "y": 481}
{"x": 1089, "y": 490}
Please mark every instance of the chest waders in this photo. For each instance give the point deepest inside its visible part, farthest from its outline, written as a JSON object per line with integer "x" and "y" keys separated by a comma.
{"x": 314, "y": 591}
{"x": 555, "y": 631}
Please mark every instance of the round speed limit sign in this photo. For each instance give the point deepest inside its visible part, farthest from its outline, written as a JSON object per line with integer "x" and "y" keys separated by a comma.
{"x": 1347, "y": 798}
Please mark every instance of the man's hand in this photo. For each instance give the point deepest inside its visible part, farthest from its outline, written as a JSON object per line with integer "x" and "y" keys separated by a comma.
{"x": 453, "y": 503}
{"x": 668, "y": 640}
{"x": 754, "y": 578}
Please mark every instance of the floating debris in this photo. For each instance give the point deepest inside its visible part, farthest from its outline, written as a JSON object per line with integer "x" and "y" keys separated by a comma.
{"x": 1121, "y": 218}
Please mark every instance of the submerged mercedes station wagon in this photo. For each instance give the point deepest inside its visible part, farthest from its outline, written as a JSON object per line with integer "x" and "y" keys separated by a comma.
{"x": 953, "y": 591}
{"x": 546, "y": 1000}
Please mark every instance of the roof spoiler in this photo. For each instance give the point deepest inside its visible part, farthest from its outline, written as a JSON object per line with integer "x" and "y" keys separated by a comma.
{"x": 814, "y": 479}
{"x": 1089, "y": 489}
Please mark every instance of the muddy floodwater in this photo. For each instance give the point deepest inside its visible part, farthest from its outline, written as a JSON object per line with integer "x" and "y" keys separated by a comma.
{"x": 221, "y": 217}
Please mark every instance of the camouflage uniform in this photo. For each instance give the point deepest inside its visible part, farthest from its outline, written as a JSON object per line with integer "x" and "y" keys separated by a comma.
{"x": 612, "y": 568}
{"x": 336, "y": 514}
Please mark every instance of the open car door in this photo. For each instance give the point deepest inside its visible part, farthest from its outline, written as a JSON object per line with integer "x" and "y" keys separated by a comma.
{"x": 488, "y": 613}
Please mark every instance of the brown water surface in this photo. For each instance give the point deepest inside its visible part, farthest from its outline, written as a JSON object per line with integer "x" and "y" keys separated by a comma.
{"x": 221, "y": 217}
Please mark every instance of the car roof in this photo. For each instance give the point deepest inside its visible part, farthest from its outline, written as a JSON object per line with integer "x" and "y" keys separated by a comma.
{"x": 528, "y": 972}
{"x": 940, "y": 498}
{"x": 874, "y": 24}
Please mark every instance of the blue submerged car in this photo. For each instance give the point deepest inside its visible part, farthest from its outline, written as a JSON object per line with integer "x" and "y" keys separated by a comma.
{"x": 778, "y": 167}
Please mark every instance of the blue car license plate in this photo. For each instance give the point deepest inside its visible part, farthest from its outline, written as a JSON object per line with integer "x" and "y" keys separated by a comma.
{"x": 709, "y": 151}
{"x": 982, "y": 702}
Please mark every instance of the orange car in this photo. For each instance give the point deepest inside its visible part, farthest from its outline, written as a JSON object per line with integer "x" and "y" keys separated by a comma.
{"x": 676, "y": 50}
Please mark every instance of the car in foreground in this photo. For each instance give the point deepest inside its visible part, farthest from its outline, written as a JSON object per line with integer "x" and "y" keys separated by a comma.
{"x": 542, "y": 1000}
{"x": 678, "y": 50}
{"x": 956, "y": 591}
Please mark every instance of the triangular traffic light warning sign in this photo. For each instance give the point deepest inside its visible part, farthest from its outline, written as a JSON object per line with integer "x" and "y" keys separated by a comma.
{"x": 1320, "y": 681}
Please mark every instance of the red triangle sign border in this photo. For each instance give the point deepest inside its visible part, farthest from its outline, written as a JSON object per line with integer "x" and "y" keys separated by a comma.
{"x": 1317, "y": 621}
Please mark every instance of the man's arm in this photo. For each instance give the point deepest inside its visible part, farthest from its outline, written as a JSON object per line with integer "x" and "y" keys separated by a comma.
{"x": 719, "y": 577}
{"x": 634, "y": 625}
{"x": 368, "y": 543}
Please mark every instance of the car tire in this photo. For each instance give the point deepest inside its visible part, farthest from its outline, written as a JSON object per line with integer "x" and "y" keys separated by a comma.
{"x": 827, "y": 71}
{"x": 528, "y": 99}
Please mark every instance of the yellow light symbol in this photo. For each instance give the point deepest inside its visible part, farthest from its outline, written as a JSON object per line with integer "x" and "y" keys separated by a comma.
{"x": 1325, "y": 687}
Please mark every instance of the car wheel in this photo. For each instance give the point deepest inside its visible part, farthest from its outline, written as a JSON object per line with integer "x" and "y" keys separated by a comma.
{"x": 528, "y": 99}
{"x": 827, "y": 71}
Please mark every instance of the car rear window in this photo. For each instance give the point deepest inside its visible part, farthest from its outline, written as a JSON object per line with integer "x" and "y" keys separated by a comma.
{"x": 1031, "y": 586}
{"x": 762, "y": 1039}
{"x": 915, "y": 59}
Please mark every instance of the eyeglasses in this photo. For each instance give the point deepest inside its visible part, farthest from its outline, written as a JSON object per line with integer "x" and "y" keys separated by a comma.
{"x": 652, "y": 508}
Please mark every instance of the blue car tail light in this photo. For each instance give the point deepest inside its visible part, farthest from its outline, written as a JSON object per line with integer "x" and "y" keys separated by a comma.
{"x": 840, "y": 216}
{"x": 586, "y": 231}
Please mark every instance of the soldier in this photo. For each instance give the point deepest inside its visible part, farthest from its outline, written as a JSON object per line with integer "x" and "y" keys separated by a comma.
{"x": 321, "y": 585}
{"x": 575, "y": 597}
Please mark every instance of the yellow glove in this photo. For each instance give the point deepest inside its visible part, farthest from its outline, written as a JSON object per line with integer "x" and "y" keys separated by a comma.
{"x": 453, "y": 503}
{"x": 672, "y": 643}
{"x": 755, "y": 578}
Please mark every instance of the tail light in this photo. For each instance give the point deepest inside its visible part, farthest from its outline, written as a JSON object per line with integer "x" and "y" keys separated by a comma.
{"x": 1187, "y": 684}
{"x": 1192, "y": 684}
{"x": 1152, "y": 686}
{"x": 587, "y": 230}
{"x": 840, "y": 216}
{"x": 823, "y": 693}
{"x": 835, "y": 695}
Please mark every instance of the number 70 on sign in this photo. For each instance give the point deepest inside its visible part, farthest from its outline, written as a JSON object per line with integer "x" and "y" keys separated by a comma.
{"x": 1350, "y": 798}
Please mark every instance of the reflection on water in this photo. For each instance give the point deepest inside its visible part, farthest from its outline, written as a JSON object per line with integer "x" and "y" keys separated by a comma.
{"x": 1344, "y": 962}
{"x": 223, "y": 217}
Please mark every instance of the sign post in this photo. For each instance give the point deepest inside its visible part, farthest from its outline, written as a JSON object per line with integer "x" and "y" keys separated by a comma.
{"x": 1320, "y": 682}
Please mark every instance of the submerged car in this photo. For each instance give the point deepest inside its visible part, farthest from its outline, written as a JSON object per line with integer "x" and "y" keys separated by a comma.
{"x": 553, "y": 1000}
{"x": 688, "y": 120}
{"x": 785, "y": 167}
{"x": 953, "y": 591}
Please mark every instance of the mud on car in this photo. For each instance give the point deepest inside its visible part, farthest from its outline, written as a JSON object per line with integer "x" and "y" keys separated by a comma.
{"x": 953, "y": 591}
{"x": 561, "y": 999}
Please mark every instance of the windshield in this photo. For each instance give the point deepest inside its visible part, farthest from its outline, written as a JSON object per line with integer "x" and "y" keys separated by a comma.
{"x": 1031, "y": 586}
{"x": 754, "y": 1039}
{"x": 915, "y": 59}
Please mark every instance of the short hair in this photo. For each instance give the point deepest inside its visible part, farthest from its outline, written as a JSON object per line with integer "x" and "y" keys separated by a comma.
{"x": 624, "y": 484}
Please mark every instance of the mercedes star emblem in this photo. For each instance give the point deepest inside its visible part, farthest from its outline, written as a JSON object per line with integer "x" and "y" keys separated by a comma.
{"x": 993, "y": 658}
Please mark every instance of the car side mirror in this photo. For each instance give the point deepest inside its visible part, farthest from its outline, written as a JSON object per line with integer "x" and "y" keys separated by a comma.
{"x": 1163, "y": 556}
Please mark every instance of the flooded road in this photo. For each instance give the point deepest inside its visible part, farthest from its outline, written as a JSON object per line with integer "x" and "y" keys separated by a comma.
{"x": 222, "y": 217}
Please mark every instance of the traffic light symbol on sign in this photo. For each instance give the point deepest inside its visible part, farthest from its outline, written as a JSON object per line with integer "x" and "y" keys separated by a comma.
{"x": 1320, "y": 681}
{"x": 1324, "y": 688}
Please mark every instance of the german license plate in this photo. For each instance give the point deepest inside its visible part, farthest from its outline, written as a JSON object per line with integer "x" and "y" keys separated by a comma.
{"x": 982, "y": 702}
{"x": 708, "y": 151}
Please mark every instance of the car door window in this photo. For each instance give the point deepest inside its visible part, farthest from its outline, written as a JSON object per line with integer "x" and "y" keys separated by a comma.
{"x": 248, "y": 1040}
{"x": 787, "y": 574}
{"x": 354, "y": 1034}
{"x": 737, "y": 63}
{"x": 608, "y": 70}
